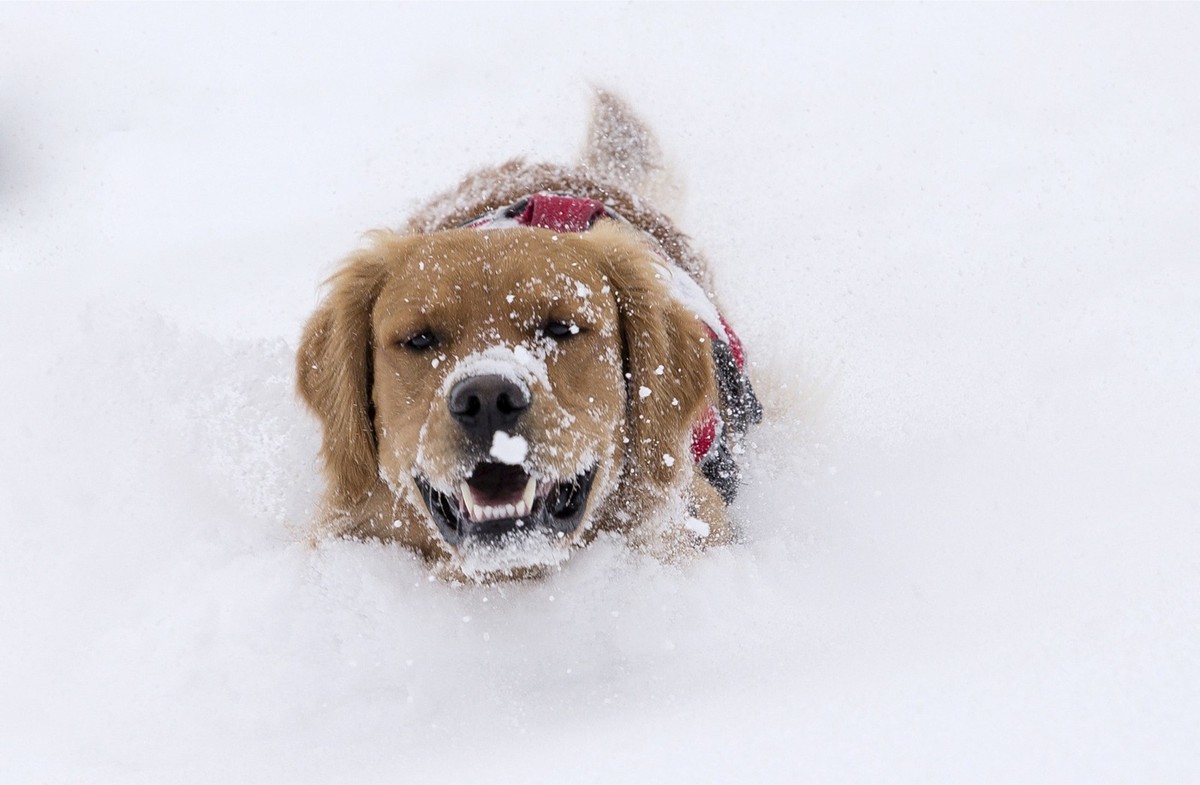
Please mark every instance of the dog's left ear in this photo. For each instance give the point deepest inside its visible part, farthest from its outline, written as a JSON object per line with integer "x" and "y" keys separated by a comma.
{"x": 333, "y": 376}
{"x": 668, "y": 360}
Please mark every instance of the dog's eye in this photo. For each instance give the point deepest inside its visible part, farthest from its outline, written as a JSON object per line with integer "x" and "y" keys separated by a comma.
{"x": 560, "y": 330}
{"x": 421, "y": 341}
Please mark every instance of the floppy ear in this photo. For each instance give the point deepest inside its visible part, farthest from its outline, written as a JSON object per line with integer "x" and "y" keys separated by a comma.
{"x": 333, "y": 376}
{"x": 668, "y": 362}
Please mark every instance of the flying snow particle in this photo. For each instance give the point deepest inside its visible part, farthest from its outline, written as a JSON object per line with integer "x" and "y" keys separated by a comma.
{"x": 644, "y": 392}
{"x": 668, "y": 459}
{"x": 509, "y": 449}
{"x": 697, "y": 527}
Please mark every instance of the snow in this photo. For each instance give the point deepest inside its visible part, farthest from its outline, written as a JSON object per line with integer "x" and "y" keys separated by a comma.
{"x": 697, "y": 527}
{"x": 538, "y": 550}
{"x": 959, "y": 243}
{"x": 685, "y": 291}
{"x": 509, "y": 449}
{"x": 513, "y": 363}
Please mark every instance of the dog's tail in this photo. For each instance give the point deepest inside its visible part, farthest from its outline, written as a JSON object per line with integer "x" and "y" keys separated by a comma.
{"x": 621, "y": 149}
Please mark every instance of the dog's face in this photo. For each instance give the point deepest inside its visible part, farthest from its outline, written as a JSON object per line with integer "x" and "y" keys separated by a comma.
{"x": 513, "y": 389}
{"x": 499, "y": 392}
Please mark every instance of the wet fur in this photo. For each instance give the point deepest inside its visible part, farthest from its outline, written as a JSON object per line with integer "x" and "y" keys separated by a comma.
{"x": 382, "y": 407}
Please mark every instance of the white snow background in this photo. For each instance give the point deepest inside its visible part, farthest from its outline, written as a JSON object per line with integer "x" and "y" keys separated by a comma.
{"x": 960, "y": 242}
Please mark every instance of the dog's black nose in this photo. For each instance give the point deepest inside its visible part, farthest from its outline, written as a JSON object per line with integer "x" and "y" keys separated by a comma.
{"x": 486, "y": 404}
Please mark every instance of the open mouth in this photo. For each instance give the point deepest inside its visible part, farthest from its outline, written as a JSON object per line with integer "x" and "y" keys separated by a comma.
{"x": 499, "y": 499}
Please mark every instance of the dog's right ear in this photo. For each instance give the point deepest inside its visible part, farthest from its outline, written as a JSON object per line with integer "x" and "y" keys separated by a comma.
{"x": 333, "y": 376}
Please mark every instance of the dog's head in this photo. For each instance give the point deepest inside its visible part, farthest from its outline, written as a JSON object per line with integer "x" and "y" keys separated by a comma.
{"x": 502, "y": 388}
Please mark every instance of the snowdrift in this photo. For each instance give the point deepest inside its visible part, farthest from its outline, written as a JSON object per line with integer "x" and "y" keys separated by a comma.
{"x": 959, "y": 243}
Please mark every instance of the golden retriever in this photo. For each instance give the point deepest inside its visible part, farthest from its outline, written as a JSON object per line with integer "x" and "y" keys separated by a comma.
{"x": 534, "y": 360}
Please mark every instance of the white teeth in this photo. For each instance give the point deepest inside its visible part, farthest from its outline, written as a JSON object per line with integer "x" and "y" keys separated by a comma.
{"x": 479, "y": 512}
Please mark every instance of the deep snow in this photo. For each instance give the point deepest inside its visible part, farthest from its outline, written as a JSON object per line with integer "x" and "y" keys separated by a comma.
{"x": 960, "y": 243}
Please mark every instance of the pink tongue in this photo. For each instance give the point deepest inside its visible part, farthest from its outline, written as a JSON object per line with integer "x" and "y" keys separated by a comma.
{"x": 491, "y": 497}
{"x": 494, "y": 484}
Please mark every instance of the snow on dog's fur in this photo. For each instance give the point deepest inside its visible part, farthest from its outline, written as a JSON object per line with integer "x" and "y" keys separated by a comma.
{"x": 594, "y": 374}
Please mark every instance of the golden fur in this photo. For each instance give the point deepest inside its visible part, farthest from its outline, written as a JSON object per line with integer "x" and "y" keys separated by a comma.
{"x": 620, "y": 395}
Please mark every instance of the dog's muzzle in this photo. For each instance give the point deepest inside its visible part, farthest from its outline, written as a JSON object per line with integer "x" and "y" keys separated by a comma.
{"x": 500, "y": 501}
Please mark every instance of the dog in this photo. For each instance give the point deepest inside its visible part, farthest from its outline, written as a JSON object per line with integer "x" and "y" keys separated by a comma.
{"x": 534, "y": 360}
